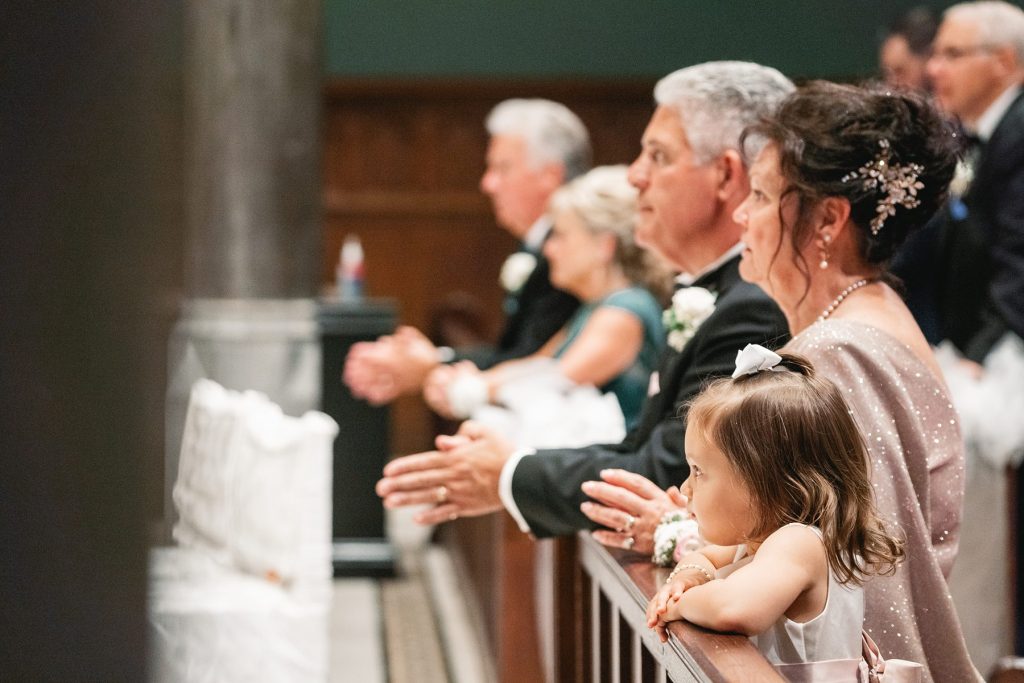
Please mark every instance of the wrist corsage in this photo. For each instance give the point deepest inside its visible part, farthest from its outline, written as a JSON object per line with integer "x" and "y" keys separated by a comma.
{"x": 690, "y": 307}
{"x": 674, "y": 537}
{"x": 466, "y": 394}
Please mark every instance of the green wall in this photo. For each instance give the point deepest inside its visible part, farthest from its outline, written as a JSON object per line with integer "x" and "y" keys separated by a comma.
{"x": 601, "y": 38}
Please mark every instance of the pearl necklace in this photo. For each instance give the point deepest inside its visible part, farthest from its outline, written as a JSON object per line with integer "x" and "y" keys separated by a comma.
{"x": 842, "y": 296}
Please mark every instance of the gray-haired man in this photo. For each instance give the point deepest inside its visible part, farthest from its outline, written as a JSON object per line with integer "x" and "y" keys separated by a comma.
{"x": 535, "y": 147}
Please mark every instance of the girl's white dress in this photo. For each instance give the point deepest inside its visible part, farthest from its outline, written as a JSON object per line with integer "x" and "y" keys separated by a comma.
{"x": 833, "y": 634}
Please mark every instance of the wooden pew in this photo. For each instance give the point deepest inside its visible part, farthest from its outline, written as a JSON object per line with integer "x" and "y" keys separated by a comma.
{"x": 495, "y": 564}
{"x": 599, "y": 628}
{"x": 618, "y": 585}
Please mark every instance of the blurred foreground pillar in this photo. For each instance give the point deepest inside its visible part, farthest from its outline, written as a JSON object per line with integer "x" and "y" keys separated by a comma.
{"x": 90, "y": 204}
{"x": 252, "y": 198}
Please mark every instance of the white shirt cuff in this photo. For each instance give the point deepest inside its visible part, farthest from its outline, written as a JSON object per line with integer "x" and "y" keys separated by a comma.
{"x": 505, "y": 486}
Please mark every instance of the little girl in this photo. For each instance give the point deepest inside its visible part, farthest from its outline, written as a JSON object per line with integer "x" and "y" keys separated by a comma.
{"x": 779, "y": 487}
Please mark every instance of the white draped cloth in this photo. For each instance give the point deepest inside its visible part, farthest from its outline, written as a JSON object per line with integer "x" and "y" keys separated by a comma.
{"x": 245, "y": 595}
{"x": 541, "y": 408}
{"x": 991, "y": 408}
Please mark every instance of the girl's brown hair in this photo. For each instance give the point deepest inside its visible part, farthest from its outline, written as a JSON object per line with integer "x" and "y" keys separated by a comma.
{"x": 791, "y": 437}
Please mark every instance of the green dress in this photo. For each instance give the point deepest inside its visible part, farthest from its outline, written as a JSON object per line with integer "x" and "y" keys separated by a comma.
{"x": 630, "y": 386}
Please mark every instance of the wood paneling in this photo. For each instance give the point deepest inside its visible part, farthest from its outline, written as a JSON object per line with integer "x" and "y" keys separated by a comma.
{"x": 402, "y": 162}
{"x": 401, "y": 166}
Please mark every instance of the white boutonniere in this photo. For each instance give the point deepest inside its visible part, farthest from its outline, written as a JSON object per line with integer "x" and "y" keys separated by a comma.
{"x": 516, "y": 270}
{"x": 962, "y": 179}
{"x": 690, "y": 308}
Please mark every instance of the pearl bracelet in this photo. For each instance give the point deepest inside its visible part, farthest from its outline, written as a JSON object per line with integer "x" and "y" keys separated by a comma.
{"x": 681, "y": 567}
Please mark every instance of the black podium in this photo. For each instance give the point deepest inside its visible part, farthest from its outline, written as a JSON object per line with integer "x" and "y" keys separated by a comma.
{"x": 361, "y": 547}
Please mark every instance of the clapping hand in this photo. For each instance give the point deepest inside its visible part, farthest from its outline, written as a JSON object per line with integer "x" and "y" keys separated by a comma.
{"x": 460, "y": 478}
{"x": 631, "y": 506}
{"x": 392, "y": 366}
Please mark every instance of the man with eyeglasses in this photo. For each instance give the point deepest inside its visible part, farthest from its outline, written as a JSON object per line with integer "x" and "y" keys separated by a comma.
{"x": 976, "y": 71}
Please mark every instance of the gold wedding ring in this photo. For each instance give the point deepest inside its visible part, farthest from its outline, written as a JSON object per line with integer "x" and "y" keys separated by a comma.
{"x": 442, "y": 494}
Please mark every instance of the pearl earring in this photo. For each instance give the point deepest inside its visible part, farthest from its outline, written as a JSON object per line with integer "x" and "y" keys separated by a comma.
{"x": 827, "y": 239}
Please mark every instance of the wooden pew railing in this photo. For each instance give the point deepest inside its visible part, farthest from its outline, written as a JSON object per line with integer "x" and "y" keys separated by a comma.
{"x": 598, "y": 628}
{"x": 617, "y": 586}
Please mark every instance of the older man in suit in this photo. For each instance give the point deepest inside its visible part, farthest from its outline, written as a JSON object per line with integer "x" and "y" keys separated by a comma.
{"x": 690, "y": 176}
{"x": 976, "y": 67}
{"x": 535, "y": 147}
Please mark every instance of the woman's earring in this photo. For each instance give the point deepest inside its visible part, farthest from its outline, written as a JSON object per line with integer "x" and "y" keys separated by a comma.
{"x": 826, "y": 239}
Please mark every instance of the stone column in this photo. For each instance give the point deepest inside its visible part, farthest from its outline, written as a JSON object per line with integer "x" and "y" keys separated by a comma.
{"x": 252, "y": 114}
{"x": 252, "y": 101}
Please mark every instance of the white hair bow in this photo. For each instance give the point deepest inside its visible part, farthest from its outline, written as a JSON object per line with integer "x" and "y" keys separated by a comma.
{"x": 755, "y": 358}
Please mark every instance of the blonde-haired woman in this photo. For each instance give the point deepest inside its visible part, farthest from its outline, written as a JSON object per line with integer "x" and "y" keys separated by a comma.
{"x": 614, "y": 339}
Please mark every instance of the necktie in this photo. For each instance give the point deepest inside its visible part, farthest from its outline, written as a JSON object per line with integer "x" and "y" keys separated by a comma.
{"x": 972, "y": 152}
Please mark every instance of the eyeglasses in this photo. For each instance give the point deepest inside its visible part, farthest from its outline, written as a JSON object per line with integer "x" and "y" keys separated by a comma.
{"x": 953, "y": 54}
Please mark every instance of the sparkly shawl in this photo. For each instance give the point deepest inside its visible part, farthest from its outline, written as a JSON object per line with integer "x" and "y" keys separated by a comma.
{"x": 917, "y": 468}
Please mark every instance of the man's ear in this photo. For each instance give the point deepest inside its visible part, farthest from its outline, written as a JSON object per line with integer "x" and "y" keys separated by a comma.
{"x": 553, "y": 175}
{"x": 1008, "y": 62}
{"x": 733, "y": 182}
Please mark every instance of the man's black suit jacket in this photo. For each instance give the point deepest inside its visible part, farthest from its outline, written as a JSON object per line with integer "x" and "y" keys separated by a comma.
{"x": 537, "y": 312}
{"x": 546, "y": 486}
{"x": 532, "y": 316}
{"x": 981, "y": 290}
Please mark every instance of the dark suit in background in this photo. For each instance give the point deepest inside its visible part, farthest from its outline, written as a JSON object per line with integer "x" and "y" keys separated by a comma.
{"x": 532, "y": 316}
{"x": 546, "y": 486}
{"x": 981, "y": 290}
{"x": 915, "y": 265}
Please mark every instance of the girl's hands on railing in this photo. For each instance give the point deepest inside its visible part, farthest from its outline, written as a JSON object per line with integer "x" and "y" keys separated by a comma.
{"x": 664, "y": 606}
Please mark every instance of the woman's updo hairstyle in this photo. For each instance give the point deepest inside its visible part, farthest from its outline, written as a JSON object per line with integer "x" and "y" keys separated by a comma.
{"x": 825, "y": 132}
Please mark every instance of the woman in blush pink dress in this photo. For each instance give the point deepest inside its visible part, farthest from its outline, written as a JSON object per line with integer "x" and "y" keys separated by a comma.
{"x": 840, "y": 177}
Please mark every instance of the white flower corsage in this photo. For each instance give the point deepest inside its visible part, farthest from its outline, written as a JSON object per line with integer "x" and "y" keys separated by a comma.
{"x": 690, "y": 308}
{"x": 674, "y": 537}
{"x": 516, "y": 270}
{"x": 754, "y": 358}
